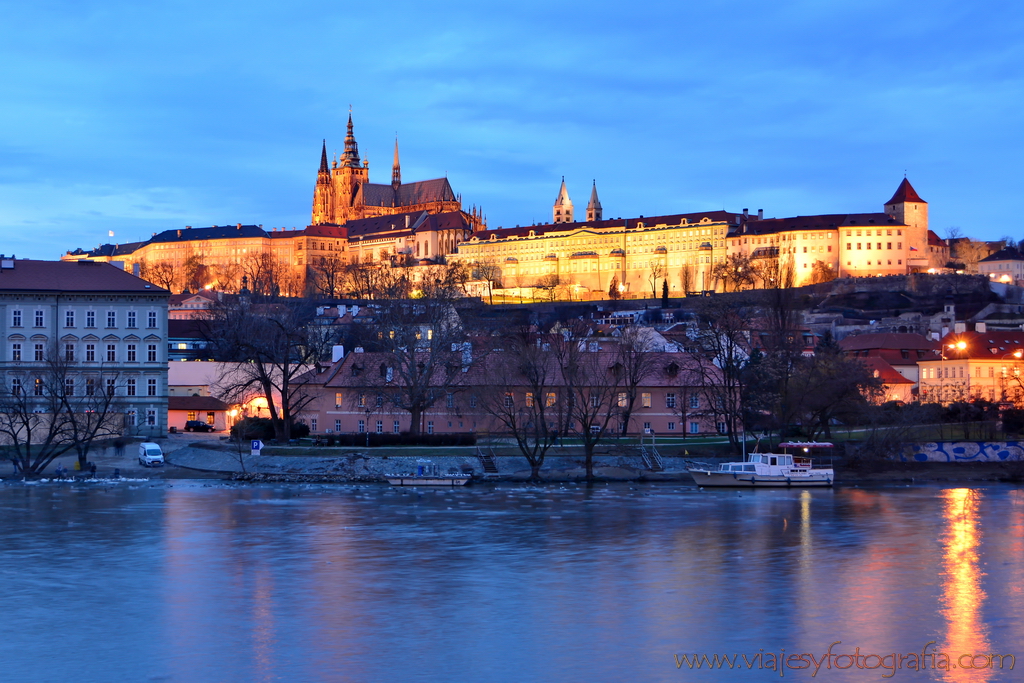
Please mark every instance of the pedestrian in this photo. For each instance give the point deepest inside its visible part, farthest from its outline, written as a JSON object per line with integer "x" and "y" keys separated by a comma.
{"x": 117, "y": 473}
{"x": 92, "y": 469}
{"x": 119, "y": 448}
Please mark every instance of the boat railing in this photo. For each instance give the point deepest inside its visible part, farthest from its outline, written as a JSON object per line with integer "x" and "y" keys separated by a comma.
{"x": 700, "y": 465}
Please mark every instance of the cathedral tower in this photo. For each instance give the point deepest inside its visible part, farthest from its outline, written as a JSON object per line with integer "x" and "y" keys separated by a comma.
{"x": 594, "y": 212}
{"x": 563, "y": 206}
{"x": 323, "y": 195}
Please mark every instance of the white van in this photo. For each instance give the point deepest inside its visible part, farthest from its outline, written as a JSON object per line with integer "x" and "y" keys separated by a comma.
{"x": 150, "y": 454}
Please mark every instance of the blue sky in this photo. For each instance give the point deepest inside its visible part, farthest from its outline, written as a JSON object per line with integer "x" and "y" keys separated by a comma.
{"x": 139, "y": 117}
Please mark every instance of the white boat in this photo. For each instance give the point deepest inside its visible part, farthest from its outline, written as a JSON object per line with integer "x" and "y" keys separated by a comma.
{"x": 428, "y": 474}
{"x": 768, "y": 469}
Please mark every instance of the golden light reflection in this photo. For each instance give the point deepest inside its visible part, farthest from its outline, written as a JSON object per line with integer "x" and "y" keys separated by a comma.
{"x": 962, "y": 594}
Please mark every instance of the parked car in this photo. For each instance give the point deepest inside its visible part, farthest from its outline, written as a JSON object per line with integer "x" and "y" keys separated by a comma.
{"x": 150, "y": 454}
{"x": 198, "y": 426}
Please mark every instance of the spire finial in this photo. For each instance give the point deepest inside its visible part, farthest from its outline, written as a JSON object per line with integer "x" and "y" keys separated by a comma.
{"x": 396, "y": 168}
{"x": 324, "y": 168}
{"x": 350, "y": 157}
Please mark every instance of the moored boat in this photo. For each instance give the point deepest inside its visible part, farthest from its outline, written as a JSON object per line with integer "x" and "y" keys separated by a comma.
{"x": 768, "y": 469}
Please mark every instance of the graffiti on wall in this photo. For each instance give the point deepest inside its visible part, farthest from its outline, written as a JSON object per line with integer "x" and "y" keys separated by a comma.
{"x": 964, "y": 451}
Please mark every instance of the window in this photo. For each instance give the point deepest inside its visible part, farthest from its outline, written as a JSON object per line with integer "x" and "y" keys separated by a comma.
{"x": 858, "y": 245}
{"x": 899, "y": 245}
{"x": 210, "y": 418}
{"x": 312, "y": 424}
{"x": 90, "y": 318}
{"x": 69, "y": 386}
{"x": 90, "y": 387}
{"x": 721, "y": 427}
{"x": 131, "y": 319}
{"x": 15, "y": 386}
{"x": 38, "y": 352}
{"x": 362, "y": 401}
{"x": 337, "y": 399}
{"x": 472, "y": 401}
{"x": 152, "y": 319}
{"x": 647, "y": 427}
{"x": 508, "y": 399}
{"x": 130, "y": 387}
{"x": 69, "y": 353}
{"x": 69, "y": 318}
{"x": 15, "y": 351}
{"x": 111, "y": 386}
{"x": 380, "y": 400}
{"x": 694, "y": 428}
{"x": 670, "y": 400}
{"x": 111, "y": 318}
{"x": 151, "y": 353}
{"x": 529, "y": 399}
{"x": 694, "y": 402}
{"x": 361, "y": 428}
{"x": 430, "y": 427}
{"x": 645, "y": 400}
{"x": 396, "y": 427}
{"x": 129, "y": 418}
{"x": 623, "y": 399}
{"x": 380, "y": 426}
{"x": 671, "y": 426}
{"x": 449, "y": 400}
{"x": 39, "y": 318}
{"x": 90, "y": 353}
{"x": 151, "y": 387}
{"x": 151, "y": 417}
{"x": 38, "y": 388}
{"x": 131, "y": 353}
{"x": 111, "y": 353}
{"x": 16, "y": 318}
{"x": 552, "y": 397}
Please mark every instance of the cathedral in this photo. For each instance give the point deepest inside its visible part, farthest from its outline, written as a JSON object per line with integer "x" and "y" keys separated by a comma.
{"x": 344, "y": 193}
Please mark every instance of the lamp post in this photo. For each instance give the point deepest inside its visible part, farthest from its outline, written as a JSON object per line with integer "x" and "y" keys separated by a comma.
{"x": 367, "y": 426}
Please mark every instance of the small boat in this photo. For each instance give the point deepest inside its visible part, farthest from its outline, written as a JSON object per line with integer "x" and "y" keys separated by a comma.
{"x": 768, "y": 469}
{"x": 428, "y": 474}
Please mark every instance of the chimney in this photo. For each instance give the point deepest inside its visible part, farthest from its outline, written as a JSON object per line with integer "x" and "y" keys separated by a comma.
{"x": 406, "y": 221}
{"x": 760, "y": 214}
{"x": 239, "y": 226}
{"x": 337, "y": 353}
{"x": 746, "y": 213}
{"x": 959, "y": 328}
{"x": 980, "y": 327}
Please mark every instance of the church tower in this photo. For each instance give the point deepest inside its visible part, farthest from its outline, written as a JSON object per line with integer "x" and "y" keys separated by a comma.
{"x": 907, "y": 207}
{"x": 349, "y": 176}
{"x": 563, "y": 206}
{"x": 323, "y": 195}
{"x": 396, "y": 169}
{"x": 594, "y": 212}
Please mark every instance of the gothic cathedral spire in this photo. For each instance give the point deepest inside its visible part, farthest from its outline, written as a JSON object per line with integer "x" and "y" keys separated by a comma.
{"x": 350, "y": 157}
{"x": 323, "y": 193}
{"x": 396, "y": 169}
{"x": 594, "y": 212}
{"x": 563, "y": 206}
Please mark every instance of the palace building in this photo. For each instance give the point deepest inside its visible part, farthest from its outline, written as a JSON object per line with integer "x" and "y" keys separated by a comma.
{"x": 684, "y": 249}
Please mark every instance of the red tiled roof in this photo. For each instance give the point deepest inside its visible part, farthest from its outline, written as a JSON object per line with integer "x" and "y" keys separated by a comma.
{"x": 823, "y": 222}
{"x": 195, "y": 403}
{"x": 989, "y": 345}
{"x": 72, "y": 276}
{"x": 935, "y": 241}
{"x": 905, "y": 193}
{"x": 883, "y": 371}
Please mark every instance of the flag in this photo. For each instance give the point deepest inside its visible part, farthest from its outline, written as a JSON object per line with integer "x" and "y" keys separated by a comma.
{"x": 110, "y": 233}
{"x": 913, "y": 249}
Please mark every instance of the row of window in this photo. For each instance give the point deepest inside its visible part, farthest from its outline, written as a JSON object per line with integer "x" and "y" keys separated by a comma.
{"x": 90, "y": 318}
{"x": 550, "y": 399}
{"x": 91, "y": 386}
{"x": 867, "y": 246}
{"x": 71, "y": 353}
{"x": 396, "y": 426}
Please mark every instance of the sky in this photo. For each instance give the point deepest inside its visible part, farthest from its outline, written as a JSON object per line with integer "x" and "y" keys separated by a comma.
{"x": 140, "y": 117}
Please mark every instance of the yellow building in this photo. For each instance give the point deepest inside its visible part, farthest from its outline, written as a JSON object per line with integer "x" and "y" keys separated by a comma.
{"x": 975, "y": 364}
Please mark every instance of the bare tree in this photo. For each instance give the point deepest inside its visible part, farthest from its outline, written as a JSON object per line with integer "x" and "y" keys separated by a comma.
{"x": 421, "y": 341}
{"x": 657, "y": 272}
{"x": 327, "y": 274}
{"x": 490, "y": 272}
{"x": 519, "y": 381}
{"x": 636, "y": 360}
{"x": 269, "y": 349}
{"x": 591, "y": 390}
{"x": 822, "y": 272}
{"x": 735, "y": 270}
{"x": 162, "y": 274}
{"x": 688, "y": 278}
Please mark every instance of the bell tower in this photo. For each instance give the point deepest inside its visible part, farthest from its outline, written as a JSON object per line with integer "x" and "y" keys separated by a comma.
{"x": 562, "y": 211}
{"x": 594, "y": 212}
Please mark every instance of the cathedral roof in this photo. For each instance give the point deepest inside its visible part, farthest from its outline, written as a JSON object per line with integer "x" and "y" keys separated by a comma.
{"x": 906, "y": 193}
{"x": 409, "y": 194}
{"x": 419, "y": 221}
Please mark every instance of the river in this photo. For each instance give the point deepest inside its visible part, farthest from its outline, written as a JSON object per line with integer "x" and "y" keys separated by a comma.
{"x": 208, "y": 581}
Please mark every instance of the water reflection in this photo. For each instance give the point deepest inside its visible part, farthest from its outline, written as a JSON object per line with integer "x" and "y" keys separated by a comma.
{"x": 963, "y": 596}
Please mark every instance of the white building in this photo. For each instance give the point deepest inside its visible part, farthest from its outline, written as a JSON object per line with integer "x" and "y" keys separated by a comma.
{"x": 107, "y": 327}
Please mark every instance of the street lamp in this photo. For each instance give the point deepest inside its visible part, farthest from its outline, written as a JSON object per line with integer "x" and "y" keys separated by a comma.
{"x": 367, "y": 426}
